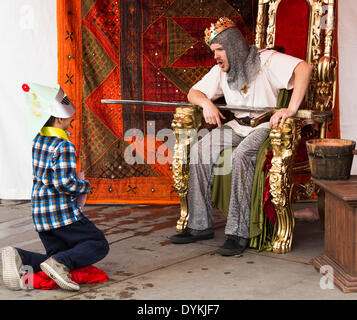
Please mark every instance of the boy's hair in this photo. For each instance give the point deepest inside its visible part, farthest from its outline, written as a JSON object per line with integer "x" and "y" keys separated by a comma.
{"x": 50, "y": 122}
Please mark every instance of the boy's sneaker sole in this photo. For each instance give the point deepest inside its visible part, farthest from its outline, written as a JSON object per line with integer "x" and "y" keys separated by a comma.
{"x": 56, "y": 277}
{"x": 10, "y": 270}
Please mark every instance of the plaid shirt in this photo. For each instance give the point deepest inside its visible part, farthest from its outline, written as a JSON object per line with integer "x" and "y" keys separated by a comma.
{"x": 55, "y": 187}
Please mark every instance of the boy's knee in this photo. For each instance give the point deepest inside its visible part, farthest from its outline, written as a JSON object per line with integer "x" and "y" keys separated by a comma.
{"x": 104, "y": 247}
{"x": 101, "y": 245}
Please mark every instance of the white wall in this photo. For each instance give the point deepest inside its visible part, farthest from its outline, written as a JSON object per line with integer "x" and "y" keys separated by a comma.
{"x": 347, "y": 40}
{"x": 28, "y": 52}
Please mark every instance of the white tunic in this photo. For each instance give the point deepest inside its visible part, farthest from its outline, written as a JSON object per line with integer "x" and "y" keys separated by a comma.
{"x": 276, "y": 73}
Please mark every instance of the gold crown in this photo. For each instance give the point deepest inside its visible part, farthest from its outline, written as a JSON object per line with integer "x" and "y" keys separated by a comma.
{"x": 222, "y": 24}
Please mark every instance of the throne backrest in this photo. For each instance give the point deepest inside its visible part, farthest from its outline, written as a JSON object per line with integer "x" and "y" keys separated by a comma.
{"x": 308, "y": 24}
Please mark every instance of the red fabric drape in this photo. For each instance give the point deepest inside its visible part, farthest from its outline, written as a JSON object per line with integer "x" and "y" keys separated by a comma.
{"x": 90, "y": 274}
{"x": 141, "y": 50}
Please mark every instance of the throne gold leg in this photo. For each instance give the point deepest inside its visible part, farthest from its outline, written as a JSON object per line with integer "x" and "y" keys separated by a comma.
{"x": 186, "y": 122}
{"x": 284, "y": 142}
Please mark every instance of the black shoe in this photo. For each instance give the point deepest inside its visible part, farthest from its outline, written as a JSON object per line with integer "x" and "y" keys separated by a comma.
{"x": 189, "y": 235}
{"x": 233, "y": 245}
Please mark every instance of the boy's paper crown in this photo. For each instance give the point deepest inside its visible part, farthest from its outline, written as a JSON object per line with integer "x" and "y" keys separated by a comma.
{"x": 222, "y": 24}
{"x": 42, "y": 102}
{"x": 62, "y": 106}
{"x": 52, "y": 101}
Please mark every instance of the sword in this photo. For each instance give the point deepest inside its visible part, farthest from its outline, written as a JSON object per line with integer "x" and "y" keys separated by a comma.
{"x": 267, "y": 112}
{"x": 185, "y": 104}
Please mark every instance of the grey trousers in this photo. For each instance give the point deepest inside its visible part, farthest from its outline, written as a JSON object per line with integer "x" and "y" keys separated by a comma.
{"x": 203, "y": 157}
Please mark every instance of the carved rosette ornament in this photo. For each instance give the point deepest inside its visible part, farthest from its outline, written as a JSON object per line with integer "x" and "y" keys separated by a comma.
{"x": 185, "y": 124}
{"x": 284, "y": 142}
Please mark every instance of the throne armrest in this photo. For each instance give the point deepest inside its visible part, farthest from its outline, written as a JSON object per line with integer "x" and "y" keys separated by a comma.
{"x": 316, "y": 116}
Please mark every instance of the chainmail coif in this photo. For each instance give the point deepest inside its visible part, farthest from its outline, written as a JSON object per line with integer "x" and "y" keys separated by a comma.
{"x": 244, "y": 60}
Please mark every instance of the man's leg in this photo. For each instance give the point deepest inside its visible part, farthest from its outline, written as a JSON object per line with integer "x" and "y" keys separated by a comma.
{"x": 204, "y": 155}
{"x": 243, "y": 167}
{"x": 203, "y": 158}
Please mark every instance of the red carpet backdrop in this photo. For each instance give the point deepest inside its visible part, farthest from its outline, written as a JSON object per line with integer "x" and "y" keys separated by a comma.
{"x": 134, "y": 49}
{"x": 146, "y": 50}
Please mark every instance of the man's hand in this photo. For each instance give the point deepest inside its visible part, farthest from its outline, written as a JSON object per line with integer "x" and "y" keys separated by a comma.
{"x": 212, "y": 115}
{"x": 210, "y": 111}
{"x": 302, "y": 74}
{"x": 279, "y": 117}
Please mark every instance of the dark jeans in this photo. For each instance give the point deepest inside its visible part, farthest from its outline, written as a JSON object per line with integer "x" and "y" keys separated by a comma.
{"x": 77, "y": 245}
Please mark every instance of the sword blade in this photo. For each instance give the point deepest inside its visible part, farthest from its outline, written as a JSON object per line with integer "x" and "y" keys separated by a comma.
{"x": 244, "y": 108}
{"x": 186, "y": 104}
{"x": 149, "y": 103}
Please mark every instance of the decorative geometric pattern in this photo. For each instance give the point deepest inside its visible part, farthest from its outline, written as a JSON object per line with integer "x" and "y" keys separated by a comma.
{"x": 157, "y": 87}
{"x": 92, "y": 145}
{"x": 103, "y": 20}
{"x": 114, "y": 166}
{"x": 129, "y": 49}
{"x": 109, "y": 114}
{"x": 185, "y": 78}
{"x": 153, "y": 10}
{"x": 199, "y": 8}
{"x": 188, "y": 59}
{"x": 155, "y": 48}
{"x": 96, "y": 63}
{"x": 178, "y": 41}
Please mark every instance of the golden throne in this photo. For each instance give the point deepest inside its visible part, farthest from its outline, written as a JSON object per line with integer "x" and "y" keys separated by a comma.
{"x": 315, "y": 112}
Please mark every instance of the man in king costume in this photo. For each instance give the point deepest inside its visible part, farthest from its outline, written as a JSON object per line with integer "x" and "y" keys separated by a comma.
{"x": 245, "y": 76}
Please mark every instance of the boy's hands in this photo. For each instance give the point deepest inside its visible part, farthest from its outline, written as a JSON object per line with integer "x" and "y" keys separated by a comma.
{"x": 82, "y": 197}
{"x": 80, "y": 175}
